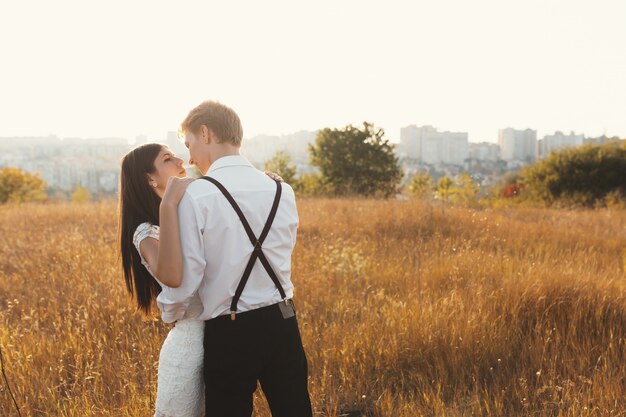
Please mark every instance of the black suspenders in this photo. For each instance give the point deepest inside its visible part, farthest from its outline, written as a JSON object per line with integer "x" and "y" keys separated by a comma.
{"x": 257, "y": 243}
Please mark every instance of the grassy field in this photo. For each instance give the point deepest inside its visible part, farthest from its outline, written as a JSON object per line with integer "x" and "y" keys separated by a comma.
{"x": 405, "y": 310}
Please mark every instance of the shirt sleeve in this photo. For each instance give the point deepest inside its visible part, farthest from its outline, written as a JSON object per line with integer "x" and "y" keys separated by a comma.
{"x": 173, "y": 302}
{"x": 143, "y": 231}
{"x": 293, "y": 209}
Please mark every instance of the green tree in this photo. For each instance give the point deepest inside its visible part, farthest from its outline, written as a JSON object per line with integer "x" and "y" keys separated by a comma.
{"x": 444, "y": 187}
{"x": 310, "y": 185}
{"x": 81, "y": 195}
{"x": 584, "y": 175}
{"x": 465, "y": 190}
{"x": 356, "y": 161}
{"x": 421, "y": 186}
{"x": 17, "y": 186}
{"x": 281, "y": 165}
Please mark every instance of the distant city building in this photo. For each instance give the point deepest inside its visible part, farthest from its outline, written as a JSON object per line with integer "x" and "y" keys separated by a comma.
{"x": 260, "y": 149}
{"x": 518, "y": 145}
{"x": 601, "y": 140}
{"x": 66, "y": 163}
{"x": 177, "y": 145}
{"x": 559, "y": 141}
{"x": 484, "y": 151}
{"x": 410, "y": 139}
{"x": 431, "y": 147}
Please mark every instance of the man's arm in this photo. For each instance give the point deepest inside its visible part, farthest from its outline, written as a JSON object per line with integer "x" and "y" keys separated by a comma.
{"x": 290, "y": 197}
{"x": 173, "y": 302}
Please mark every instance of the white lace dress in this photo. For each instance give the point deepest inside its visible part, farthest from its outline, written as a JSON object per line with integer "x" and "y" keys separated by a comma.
{"x": 180, "y": 388}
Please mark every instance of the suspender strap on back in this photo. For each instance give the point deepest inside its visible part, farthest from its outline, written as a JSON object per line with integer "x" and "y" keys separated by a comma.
{"x": 257, "y": 244}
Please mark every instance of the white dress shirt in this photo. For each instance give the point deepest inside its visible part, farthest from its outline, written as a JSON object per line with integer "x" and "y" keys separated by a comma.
{"x": 146, "y": 230}
{"x": 216, "y": 248}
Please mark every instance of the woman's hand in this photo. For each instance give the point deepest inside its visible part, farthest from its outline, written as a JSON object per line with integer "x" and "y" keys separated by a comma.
{"x": 175, "y": 190}
{"x": 274, "y": 176}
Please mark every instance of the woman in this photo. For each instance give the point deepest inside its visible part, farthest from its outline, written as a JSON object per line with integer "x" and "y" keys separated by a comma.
{"x": 152, "y": 258}
{"x": 152, "y": 183}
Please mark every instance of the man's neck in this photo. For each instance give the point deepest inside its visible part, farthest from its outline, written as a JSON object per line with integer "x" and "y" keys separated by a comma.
{"x": 225, "y": 151}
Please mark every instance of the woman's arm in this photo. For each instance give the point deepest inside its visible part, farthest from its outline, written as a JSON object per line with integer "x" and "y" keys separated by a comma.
{"x": 169, "y": 262}
{"x": 164, "y": 255}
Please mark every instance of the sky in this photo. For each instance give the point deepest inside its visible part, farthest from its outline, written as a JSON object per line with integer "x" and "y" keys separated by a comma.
{"x": 127, "y": 68}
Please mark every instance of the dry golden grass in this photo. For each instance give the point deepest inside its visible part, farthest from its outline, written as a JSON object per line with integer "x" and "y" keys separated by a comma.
{"x": 405, "y": 310}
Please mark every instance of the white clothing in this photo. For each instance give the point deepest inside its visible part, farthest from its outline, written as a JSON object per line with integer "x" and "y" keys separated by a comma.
{"x": 216, "y": 247}
{"x": 180, "y": 386}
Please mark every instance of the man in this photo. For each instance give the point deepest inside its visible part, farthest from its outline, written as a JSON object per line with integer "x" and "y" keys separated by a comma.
{"x": 238, "y": 230}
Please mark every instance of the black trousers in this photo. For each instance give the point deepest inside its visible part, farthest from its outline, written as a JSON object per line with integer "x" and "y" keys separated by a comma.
{"x": 260, "y": 345}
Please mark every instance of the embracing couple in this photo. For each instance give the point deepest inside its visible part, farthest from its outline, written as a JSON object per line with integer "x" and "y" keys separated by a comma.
{"x": 215, "y": 254}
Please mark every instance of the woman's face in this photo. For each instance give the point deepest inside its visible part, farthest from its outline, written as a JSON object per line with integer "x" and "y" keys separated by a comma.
{"x": 166, "y": 165}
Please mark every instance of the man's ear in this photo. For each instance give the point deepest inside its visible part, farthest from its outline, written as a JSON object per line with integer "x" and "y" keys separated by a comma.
{"x": 206, "y": 134}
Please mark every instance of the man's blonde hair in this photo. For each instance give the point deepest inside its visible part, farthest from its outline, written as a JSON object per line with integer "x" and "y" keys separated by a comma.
{"x": 220, "y": 119}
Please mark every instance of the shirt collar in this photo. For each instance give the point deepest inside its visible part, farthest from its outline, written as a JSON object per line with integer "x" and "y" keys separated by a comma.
{"x": 229, "y": 161}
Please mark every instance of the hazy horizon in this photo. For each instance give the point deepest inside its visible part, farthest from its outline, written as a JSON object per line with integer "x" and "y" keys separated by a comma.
{"x": 121, "y": 69}
{"x": 132, "y": 140}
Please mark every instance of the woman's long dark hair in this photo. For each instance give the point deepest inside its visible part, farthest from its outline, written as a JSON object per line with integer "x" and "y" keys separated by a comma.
{"x": 138, "y": 204}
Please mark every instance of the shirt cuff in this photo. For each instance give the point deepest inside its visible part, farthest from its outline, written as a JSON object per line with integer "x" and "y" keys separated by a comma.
{"x": 172, "y": 314}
